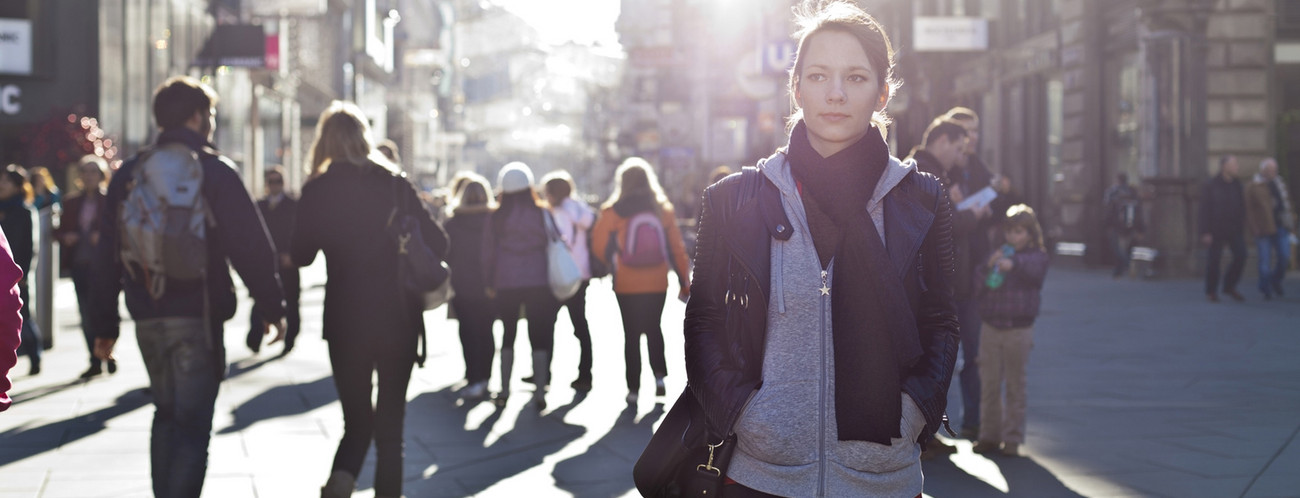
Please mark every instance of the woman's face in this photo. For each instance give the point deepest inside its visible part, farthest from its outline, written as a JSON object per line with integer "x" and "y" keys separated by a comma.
{"x": 838, "y": 90}
{"x": 7, "y": 187}
{"x": 90, "y": 176}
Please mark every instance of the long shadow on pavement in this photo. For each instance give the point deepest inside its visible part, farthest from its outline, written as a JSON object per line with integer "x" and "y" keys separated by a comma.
{"x": 283, "y": 401}
{"x": 605, "y": 470}
{"x": 1024, "y": 477}
{"x": 464, "y": 466}
{"x": 21, "y": 443}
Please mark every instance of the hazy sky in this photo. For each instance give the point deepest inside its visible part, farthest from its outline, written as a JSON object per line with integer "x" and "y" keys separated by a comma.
{"x": 558, "y": 21}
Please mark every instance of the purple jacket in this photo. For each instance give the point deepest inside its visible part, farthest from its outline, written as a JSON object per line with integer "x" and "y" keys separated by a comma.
{"x": 1015, "y": 303}
{"x": 515, "y": 258}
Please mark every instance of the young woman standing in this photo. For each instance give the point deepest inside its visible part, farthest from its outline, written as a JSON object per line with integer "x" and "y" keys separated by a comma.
{"x": 648, "y": 243}
{"x": 514, "y": 267}
{"x": 78, "y": 236}
{"x": 822, "y": 333}
{"x": 370, "y": 322}
{"x": 471, "y": 207}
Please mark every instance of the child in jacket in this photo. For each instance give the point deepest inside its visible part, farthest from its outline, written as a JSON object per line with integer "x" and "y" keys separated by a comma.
{"x": 1011, "y": 282}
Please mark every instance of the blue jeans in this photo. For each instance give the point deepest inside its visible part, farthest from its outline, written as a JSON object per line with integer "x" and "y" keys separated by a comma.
{"x": 968, "y": 316}
{"x": 1271, "y": 271}
{"x": 184, "y": 371}
{"x": 1122, "y": 246}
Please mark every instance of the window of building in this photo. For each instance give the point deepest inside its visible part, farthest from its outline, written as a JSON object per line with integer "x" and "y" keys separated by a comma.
{"x": 1288, "y": 19}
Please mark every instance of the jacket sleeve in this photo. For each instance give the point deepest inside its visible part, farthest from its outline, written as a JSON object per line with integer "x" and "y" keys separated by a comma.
{"x": 305, "y": 242}
{"x": 708, "y": 371}
{"x": 600, "y": 235}
{"x": 1029, "y": 268}
{"x": 106, "y": 281}
{"x": 243, "y": 234}
{"x": 1203, "y": 215}
{"x": 20, "y": 242}
{"x": 928, "y": 380}
{"x": 677, "y": 247}
{"x": 489, "y": 256}
{"x": 11, "y": 322}
{"x": 434, "y": 236}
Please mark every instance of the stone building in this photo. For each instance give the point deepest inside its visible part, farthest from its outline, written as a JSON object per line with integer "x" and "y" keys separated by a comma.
{"x": 1072, "y": 92}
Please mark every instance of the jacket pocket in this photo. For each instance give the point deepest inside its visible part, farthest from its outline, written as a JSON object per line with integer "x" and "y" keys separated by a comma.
{"x": 779, "y": 426}
{"x": 865, "y": 456}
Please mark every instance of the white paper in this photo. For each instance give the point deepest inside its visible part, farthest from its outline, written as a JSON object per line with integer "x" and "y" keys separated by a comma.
{"x": 978, "y": 199}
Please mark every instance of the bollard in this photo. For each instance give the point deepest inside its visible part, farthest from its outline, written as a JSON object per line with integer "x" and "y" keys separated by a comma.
{"x": 47, "y": 264}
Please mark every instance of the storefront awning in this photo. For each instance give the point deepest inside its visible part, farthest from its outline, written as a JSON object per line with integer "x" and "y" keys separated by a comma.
{"x": 241, "y": 45}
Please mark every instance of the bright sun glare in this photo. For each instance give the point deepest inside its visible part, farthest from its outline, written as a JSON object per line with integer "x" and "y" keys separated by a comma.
{"x": 559, "y": 21}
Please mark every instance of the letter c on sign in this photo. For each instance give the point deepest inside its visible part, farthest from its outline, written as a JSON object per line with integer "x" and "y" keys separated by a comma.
{"x": 9, "y": 99}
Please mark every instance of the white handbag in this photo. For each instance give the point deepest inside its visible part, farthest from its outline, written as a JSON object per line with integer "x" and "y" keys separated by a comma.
{"x": 561, "y": 270}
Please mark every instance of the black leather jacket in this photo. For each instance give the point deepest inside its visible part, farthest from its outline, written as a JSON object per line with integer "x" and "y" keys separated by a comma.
{"x": 726, "y": 318}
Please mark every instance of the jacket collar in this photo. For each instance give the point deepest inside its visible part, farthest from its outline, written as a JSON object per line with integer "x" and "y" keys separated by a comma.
{"x": 186, "y": 136}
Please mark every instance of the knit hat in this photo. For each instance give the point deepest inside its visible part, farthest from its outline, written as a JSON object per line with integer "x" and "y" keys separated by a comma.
{"x": 514, "y": 177}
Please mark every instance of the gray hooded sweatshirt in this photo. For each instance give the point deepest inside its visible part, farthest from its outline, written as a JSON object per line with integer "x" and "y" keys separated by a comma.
{"x": 787, "y": 439}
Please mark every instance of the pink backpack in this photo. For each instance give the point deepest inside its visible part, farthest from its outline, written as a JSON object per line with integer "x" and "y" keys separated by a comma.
{"x": 644, "y": 243}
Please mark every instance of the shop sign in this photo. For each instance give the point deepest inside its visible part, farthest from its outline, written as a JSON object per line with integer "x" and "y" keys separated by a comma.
{"x": 9, "y": 103}
{"x": 15, "y": 46}
{"x": 950, "y": 34}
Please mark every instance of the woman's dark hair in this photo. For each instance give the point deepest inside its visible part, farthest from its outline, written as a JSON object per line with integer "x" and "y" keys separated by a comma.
{"x": 1021, "y": 215}
{"x": 17, "y": 175}
{"x": 845, "y": 17}
{"x": 508, "y": 203}
{"x": 178, "y": 98}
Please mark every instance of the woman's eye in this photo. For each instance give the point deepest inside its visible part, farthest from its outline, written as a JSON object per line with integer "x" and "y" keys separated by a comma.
{"x": 858, "y": 78}
{"x": 816, "y": 77}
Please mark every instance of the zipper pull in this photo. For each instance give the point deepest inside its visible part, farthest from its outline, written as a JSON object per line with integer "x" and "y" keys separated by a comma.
{"x": 826, "y": 290}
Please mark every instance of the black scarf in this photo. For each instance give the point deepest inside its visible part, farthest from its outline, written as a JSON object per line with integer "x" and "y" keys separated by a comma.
{"x": 866, "y": 287}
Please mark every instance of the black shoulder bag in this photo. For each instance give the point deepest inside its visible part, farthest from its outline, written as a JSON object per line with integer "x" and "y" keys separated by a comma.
{"x": 420, "y": 271}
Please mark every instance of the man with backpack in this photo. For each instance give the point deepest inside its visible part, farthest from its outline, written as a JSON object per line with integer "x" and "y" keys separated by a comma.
{"x": 178, "y": 212}
{"x": 1124, "y": 225}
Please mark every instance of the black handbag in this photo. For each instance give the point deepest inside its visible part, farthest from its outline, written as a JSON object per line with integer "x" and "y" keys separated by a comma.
{"x": 421, "y": 270}
{"x": 683, "y": 457}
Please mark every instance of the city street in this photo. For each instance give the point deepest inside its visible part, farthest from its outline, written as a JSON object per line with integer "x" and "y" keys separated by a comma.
{"x": 1136, "y": 388}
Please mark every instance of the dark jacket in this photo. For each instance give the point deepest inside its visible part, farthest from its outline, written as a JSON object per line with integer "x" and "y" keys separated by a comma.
{"x": 279, "y": 221}
{"x": 70, "y": 222}
{"x": 1118, "y": 200}
{"x": 237, "y": 237}
{"x": 465, "y": 258}
{"x": 344, "y": 213}
{"x": 514, "y": 248}
{"x": 968, "y": 232}
{"x": 16, "y": 221}
{"x": 1223, "y": 207}
{"x": 726, "y": 319}
{"x": 1015, "y": 303}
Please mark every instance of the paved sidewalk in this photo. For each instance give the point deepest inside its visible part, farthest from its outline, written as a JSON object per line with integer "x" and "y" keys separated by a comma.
{"x": 1136, "y": 389}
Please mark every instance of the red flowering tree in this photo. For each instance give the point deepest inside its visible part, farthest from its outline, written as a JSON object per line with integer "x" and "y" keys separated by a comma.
{"x": 63, "y": 139}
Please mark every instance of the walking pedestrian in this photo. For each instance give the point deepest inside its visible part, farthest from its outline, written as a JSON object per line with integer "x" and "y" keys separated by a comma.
{"x": 1271, "y": 220}
{"x": 11, "y": 319}
{"x": 825, "y": 354}
{"x": 279, "y": 211}
{"x": 647, "y": 244}
{"x": 1222, "y": 214}
{"x": 16, "y": 220}
{"x": 79, "y": 237}
{"x": 475, "y": 312}
{"x": 1011, "y": 282}
{"x": 369, "y": 321}
{"x": 179, "y": 309}
{"x": 1124, "y": 221}
{"x": 515, "y": 271}
{"x": 45, "y": 191}
{"x": 574, "y": 219}
{"x": 941, "y": 153}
